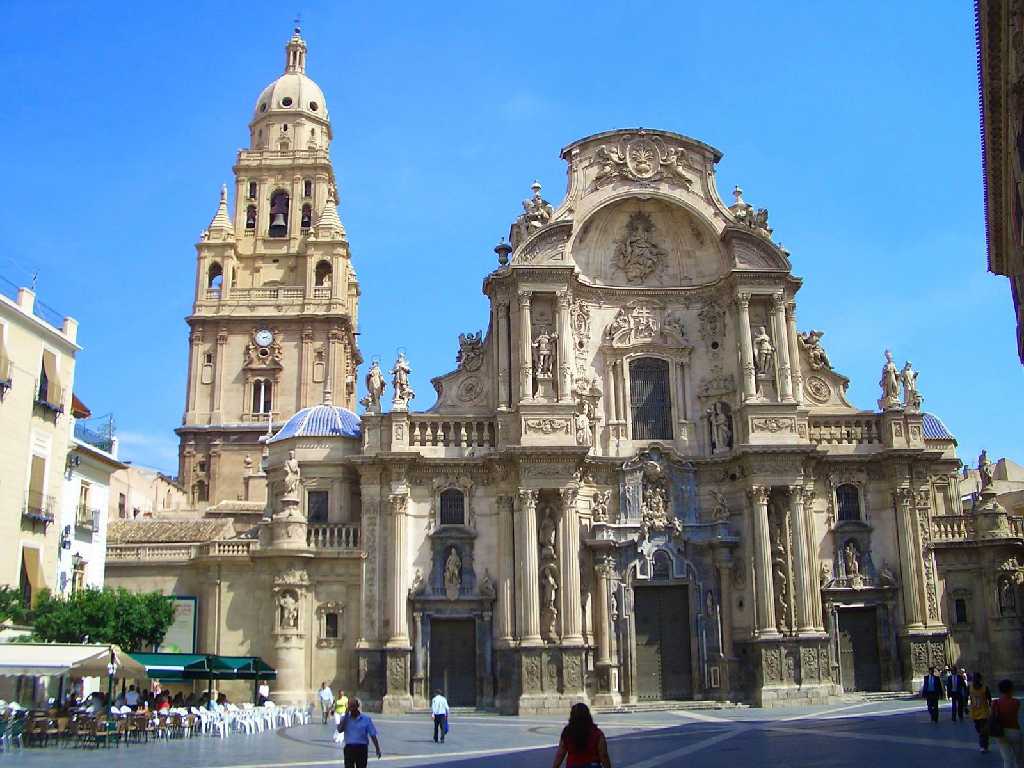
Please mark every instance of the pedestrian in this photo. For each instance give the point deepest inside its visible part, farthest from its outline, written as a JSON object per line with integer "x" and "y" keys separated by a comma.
{"x": 1005, "y": 725}
{"x": 326, "y": 701}
{"x": 340, "y": 707}
{"x": 980, "y": 708}
{"x": 262, "y": 694}
{"x": 582, "y": 744}
{"x": 957, "y": 691}
{"x": 932, "y": 691}
{"x": 359, "y": 730}
{"x": 439, "y": 708}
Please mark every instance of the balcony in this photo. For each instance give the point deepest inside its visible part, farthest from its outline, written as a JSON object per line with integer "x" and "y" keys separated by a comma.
{"x": 270, "y": 293}
{"x": 86, "y": 518}
{"x": 50, "y": 398}
{"x": 213, "y": 294}
{"x": 845, "y": 430}
{"x": 322, "y": 292}
{"x": 39, "y": 508}
{"x": 433, "y": 431}
{"x": 332, "y": 536}
{"x": 104, "y": 440}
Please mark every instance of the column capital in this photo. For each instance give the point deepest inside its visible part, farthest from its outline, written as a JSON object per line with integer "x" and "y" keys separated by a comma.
{"x": 809, "y": 495}
{"x": 564, "y": 297}
{"x": 779, "y": 301}
{"x": 759, "y": 493}
{"x": 399, "y": 503}
{"x": 569, "y": 496}
{"x": 525, "y": 298}
{"x": 604, "y": 565}
{"x": 743, "y": 299}
{"x": 527, "y": 499}
{"x": 903, "y": 497}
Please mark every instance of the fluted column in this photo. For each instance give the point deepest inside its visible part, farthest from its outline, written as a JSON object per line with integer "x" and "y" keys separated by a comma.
{"x": 195, "y": 373}
{"x": 723, "y": 559}
{"x": 526, "y": 549}
{"x": 219, "y": 364}
{"x": 782, "y": 348}
{"x": 501, "y": 352}
{"x": 565, "y": 354}
{"x": 794, "y": 352}
{"x": 602, "y": 572}
{"x": 397, "y": 587}
{"x": 746, "y": 347}
{"x": 572, "y": 605}
{"x": 909, "y": 561}
{"x": 804, "y": 606}
{"x": 813, "y": 564}
{"x": 505, "y": 625}
{"x": 765, "y": 626}
{"x": 525, "y": 348}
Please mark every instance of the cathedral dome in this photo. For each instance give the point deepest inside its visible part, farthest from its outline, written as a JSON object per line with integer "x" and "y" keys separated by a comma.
{"x": 294, "y": 92}
{"x": 320, "y": 421}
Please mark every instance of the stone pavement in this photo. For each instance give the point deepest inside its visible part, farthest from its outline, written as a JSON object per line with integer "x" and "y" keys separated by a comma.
{"x": 858, "y": 735}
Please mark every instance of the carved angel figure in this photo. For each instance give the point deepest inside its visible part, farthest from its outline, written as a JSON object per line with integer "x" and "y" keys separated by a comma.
{"x": 374, "y": 387}
{"x": 764, "y": 352}
{"x": 815, "y": 352}
{"x": 417, "y": 585}
{"x": 610, "y": 159}
{"x": 486, "y": 586}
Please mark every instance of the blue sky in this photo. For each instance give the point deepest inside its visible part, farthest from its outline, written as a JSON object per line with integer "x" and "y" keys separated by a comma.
{"x": 855, "y": 124}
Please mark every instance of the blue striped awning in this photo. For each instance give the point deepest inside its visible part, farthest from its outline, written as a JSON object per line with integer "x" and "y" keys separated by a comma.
{"x": 320, "y": 421}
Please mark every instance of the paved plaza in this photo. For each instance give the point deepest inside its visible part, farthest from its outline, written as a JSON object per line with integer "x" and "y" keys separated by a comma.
{"x": 857, "y": 734}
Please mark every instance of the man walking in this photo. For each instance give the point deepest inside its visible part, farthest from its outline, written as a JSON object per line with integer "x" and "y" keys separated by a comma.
{"x": 957, "y": 690}
{"x": 932, "y": 691}
{"x": 359, "y": 730}
{"x": 326, "y": 701}
{"x": 439, "y": 708}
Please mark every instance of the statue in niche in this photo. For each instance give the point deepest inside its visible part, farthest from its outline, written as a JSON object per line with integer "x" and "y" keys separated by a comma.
{"x": 911, "y": 397}
{"x": 636, "y": 254}
{"x": 824, "y": 574}
{"x": 815, "y": 352}
{"x": 291, "y": 477}
{"x": 720, "y": 427}
{"x": 764, "y": 352}
{"x": 720, "y": 510}
{"x": 374, "y": 388}
{"x": 486, "y": 586}
{"x": 1007, "y": 596}
{"x": 985, "y": 472}
{"x": 890, "y": 383}
{"x": 781, "y": 583}
{"x": 599, "y": 507}
{"x": 547, "y": 535}
{"x": 614, "y": 612}
{"x": 288, "y": 610}
{"x": 548, "y": 600}
{"x": 851, "y": 559}
{"x": 452, "y": 574}
{"x": 417, "y": 586}
{"x": 403, "y": 393}
{"x": 247, "y": 463}
{"x": 543, "y": 353}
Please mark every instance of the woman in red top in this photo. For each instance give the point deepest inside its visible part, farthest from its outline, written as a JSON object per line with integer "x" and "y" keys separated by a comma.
{"x": 1006, "y": 709}
{"x": 582, "y": 744}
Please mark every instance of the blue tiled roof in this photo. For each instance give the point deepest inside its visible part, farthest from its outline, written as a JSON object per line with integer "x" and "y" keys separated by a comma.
{"x": 934, "y": 429}
{"x": 320, "y": 421}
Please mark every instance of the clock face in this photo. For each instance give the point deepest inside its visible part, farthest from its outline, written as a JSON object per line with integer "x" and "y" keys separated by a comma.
{"x": 264, "y": 337}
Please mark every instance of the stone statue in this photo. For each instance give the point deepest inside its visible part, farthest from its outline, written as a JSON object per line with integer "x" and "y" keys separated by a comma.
{"x": 374, "y": 388}
{"x": 548, "y": 587}
{"x": 247, "y": 462}
{"x": 547, "y": 536}
{"x": 636, "y": 254}
{"x": 815, "y": 352}
{"x": 537, "y": 212}
{"x": 614, "y": 612}
{"x": 599, "y": 507}
{"x": 984, "y": 469}
{"x": 1007, "y": 596}
{"x": 851, "y": 558}
{"x": 720, "y": 510}
{"x": 764, "y": 352}
{"x": 291, "y": 477}
{"x": 620, "y": 323}
{"x": 720, "y": 426}
{"x": 890, "y": 383}
{"x": 543, "y": 352}
{"x": 825, "y": 574}
{"x": 403, "y": 393}
{"x": 289, "y": 611}
{"x": 417, "y": 586}
{"x": 486, "y": 586}
{"x": 911, "y": 397}
{"x": 452, "y": 574}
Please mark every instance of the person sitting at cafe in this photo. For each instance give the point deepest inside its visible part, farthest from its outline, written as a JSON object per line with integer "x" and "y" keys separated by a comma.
{"x": 132, "y": 698}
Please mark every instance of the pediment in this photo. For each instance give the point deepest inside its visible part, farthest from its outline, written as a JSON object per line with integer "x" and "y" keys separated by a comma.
{"x": 749, "y": 251}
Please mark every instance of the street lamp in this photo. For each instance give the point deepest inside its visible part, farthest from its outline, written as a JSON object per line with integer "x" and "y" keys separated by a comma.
{"x": 111, "y": 673}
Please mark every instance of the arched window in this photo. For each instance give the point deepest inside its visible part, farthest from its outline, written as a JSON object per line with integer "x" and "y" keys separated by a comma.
{"x": 307, "y": 188}
{"x": 307, "y": 216}
{"x": 848, "y": 502}
{"x": 250, "y": 217}
{"x": 661, "y": 567}
{"x": 199, "y": 492}
{"x": 323, "y": 274}
{"x": 279, "y": 203}
{"x": 215, "y": 276}
{"x": 453, "y": 507}
{"x": 650, "y": 401}
{"x": 262, "y": 392}
{"x": 252, "y": 190}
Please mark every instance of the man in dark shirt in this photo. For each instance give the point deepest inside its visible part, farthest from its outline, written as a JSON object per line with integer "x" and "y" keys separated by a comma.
{"x": 932, "y": 690}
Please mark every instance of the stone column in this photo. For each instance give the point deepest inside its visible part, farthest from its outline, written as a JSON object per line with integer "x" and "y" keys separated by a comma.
{"x": 335, "y": 362}
{"x": 794, "y": 352}
{"x": 804, "y": 606}
{"x": 525, "y": 348}
{"x": 526, "y": 552}
{"x": 607, "y": 669}
{"x": 306, "y": 371}
{"x": 506, "y": 574}
{"x": 218, "y": 377}
{"x": 765, "y": 626}
{"x": 746, "y": 347}
{"x": 909, "y": 561}
{"x": 782, "y": 348}
{"x": 397, "y": 588}
{"x": 501, "y": 352}
{"x": 419, "y": 662}
{"x": 571, "y": 602}
{"x": 813, "y": 564}
{"x": 723, "y": 559}
{"x": 565, "y": 353}
{"x": 195, "y": 373}
{"x": 369, "y": 533}
{"x": 290, "y": 632}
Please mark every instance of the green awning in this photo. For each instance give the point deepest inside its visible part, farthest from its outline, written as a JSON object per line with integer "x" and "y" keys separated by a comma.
{"x": 193, "y": 666}
{"x": 247, "y": 667}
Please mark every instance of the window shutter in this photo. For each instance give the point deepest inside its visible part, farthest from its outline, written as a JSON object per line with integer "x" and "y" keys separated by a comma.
{"x": 53, "y": 389}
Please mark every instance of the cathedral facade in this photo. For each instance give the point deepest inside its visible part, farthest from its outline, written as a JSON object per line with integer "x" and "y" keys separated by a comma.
{"x": 640, "y": 482}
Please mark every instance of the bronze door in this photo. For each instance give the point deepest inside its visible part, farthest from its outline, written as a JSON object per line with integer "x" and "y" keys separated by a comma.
{"x": 858, "y": 649}
{"x": 453, "y": 660}
{"x": 662, "y": 618}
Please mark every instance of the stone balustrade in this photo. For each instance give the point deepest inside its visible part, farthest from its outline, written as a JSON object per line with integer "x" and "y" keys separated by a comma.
{"x": 435, "y": 431}
{"x": 152, "y": 552}
{"x": 952, "y": 527}
{"x": 230, "y": 548}
{"x": 332, "y": 536}
{"x": 1016, "y": 526}
{"x": 844, "y": 430}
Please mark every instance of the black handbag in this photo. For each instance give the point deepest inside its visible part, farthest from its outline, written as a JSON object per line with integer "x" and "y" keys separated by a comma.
{"x": 995, "y": 727}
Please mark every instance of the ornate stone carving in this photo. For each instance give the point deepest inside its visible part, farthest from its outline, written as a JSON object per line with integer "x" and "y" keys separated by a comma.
{"x": 471, "y": 351}
{"x": 469, "y": 389}
{"x": 452, "y": 574}
{"x": 673, "y": 322}
{"x": 547, "y": 426}
{"x": 396, "y": 673}
{"x": 717, "y": 384}
{"x": 544, "y": 353}
{"x": 418, "y": 585}
{"x": 537, "y": 212}
{"x": 599, "y": 506}
{"x": 636, "y": 253}
{"x": 764, "y": 352}
{"x": 985, "y": 471}
{"x": 579, "y": 319}
{"x": 263, "y": 355}
{"x": 770, "y": 665}
{"x": 485, "y": 586}
{"x": 773, "y": 424}
{"x": 711, "y": 319}
{"x": 818, "y": 390}
{"x": 587, "y": 394}
{"x": 890, "y": 384}
{"x": 655, "y": 506}
{"x": 403, "y": 393}
{"x": 640, "y": 157}
{"x": 816, "y": 355}
{"x": 633, "y": 324}
{"x": 374, "y": 388}
{"x": 852, "y": 561}
{"x": 911, "y": 397}
{"x": 720, "y": 427}
{"x": 291, "y": 477}
{"x": 288, "y": 610}
{"x": 745, "y": 214}
{"x": 719, "y": 507}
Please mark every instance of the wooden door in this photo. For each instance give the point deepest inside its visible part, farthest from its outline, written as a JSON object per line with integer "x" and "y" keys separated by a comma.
{"x": 662, "y": 618}
{"x": 453, "y": 660}
{"x": 858, "y": 649}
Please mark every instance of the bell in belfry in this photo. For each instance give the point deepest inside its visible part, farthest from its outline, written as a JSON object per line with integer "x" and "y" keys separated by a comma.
{"x": 279, "y": 215}
{"x": 278, "y": 220}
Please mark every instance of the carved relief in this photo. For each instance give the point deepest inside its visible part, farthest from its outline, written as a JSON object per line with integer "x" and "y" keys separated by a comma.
{"x": 396, "y": 674}
{"x": 579, "y": 319}
{"x": 816, "y": 355}
{"x": 537, "y": 212}
{"x": 547, "y": 426}
{"x": 471, "y": 351}
{"x": 599, "y": 506}
{"x": 640, "y": 157}
{"x": 818, "y": 390}
{"x": 636, "y": 253}
{"x": 773, "y": 424}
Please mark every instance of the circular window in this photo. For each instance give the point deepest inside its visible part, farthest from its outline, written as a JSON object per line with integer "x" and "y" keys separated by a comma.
{"x": 263, "y": 107}
{"x": 286, "y": 101}
{"x": 313, "y": 106}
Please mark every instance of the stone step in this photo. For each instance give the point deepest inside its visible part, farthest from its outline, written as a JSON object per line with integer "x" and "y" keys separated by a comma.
{"x": 660, "y": 706}
{"x": 454, "y": 711}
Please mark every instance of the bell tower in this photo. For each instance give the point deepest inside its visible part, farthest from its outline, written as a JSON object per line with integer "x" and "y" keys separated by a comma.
{"x": 276, "y": 297}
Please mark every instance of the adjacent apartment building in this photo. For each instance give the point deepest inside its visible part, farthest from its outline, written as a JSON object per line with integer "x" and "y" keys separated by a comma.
{"x": 37, "y": 370}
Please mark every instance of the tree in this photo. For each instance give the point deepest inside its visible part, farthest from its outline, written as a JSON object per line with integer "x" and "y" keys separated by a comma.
{"x": 12, "y": 605}
{"x": 133, "y": 621}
